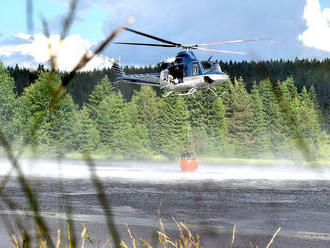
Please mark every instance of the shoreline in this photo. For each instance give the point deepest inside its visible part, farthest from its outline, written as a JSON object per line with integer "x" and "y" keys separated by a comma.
{"x": 206, "y": 160}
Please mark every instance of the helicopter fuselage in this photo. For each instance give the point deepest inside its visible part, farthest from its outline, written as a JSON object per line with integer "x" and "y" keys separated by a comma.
{"x": 187, "y": 73}
{"x": 184, "y": 74}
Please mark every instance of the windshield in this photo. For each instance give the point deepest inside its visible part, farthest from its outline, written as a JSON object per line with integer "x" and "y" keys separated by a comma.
{"x": 210, "y": 65}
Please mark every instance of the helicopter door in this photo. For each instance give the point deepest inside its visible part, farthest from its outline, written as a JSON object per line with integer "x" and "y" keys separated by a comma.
{"x": 185, "y": 71}
{"x": 165, "y": 79}
{"x": 164, "y": 75}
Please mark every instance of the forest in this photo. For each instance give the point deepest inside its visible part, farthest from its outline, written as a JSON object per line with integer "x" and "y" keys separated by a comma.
{"x": 271, "y": 110}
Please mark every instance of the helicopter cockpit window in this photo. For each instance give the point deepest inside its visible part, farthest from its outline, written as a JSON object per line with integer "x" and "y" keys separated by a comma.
{"x": 217, "y": 67}
{"x": 195, "y": 69}
{"x": 178, "y": 60}
{"x": 210, "y": 65}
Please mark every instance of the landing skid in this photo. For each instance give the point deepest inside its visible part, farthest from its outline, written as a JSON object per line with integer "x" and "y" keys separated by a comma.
{"x": 189, "y": 93}
{"x": 215, "y": 94}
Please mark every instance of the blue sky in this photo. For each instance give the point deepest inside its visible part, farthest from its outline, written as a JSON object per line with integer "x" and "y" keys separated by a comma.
{"x": 297, "y": 28}
{"x": 325, "y": 3}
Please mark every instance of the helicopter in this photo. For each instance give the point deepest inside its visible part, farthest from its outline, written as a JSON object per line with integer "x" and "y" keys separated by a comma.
{"x": 183, "y": 74}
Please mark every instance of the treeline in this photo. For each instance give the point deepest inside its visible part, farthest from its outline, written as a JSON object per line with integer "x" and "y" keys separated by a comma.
{"x": 305, "y": 73}
{"x": 270, "y": 121}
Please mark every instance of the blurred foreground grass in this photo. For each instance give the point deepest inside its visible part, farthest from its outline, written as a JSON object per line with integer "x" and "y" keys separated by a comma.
{"x": 184, "y": 238}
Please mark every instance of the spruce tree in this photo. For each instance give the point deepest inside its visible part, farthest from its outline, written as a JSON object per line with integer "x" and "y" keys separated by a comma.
{"x": 239, "y": 116}
{"x": 309, "y": 127}
{"x": 313, "y": 96}
{"x": 287, "y": 93}
{"x": 114, "y": 125}
{"x": 280, "y": 141}
{"x": 261, "y": 140}
{"x": 54, "y": 126}
{"x": 140, "y": 143}
{"x": 8, "y": 101}
{"x": 173, "y": 127}
{"x": 88, "y": 136}
{"x": 198, "y": 119}
{"x": 216, "y": 127}
{"x": 100, "y": 92}
{"x": 148, "y": 113}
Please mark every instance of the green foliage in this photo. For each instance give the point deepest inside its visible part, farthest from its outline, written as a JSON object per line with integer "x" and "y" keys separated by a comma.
{"x": 147, "y": 115}
{"x": 239, "y": 114}
{"x": 8, "y": 102}
{"x": 304, "y": 72}
{"x": 307, "y": 117}
{"x": 102, "y": 90}
{"x": 216, "y": 127}
{"x": 277, "y": 128}
{"x": 269, "y": 122}
{"x": 173, "y": 126}
{"x": 140, "y": 140}
{"x": 261, "y": 140}
{"x": 113, "y": 124}
{"x": 88, "y": 136}
{"x": 37, "y": 123}
{"x": 198, "y": 116}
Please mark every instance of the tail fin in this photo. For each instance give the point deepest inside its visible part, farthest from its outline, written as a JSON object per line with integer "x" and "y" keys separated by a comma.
{"x": 118, "y": 70}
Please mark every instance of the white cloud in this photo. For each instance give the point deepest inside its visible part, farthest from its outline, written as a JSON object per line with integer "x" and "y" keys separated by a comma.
{"x": 317, "y": 34}
{"x": 68, "y": 52}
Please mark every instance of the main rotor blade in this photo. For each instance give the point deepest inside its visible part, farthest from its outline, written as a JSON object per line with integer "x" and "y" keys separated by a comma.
{"x": 144, "y": 44}
{"x": 153, "y": 37}
{"x": 217, "y": 50}
{"x": 229, "y": 42}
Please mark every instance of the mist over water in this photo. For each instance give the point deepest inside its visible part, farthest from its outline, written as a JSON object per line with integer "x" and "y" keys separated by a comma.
{"x": 163, "y": 172}
{"x": 257, "y": 199}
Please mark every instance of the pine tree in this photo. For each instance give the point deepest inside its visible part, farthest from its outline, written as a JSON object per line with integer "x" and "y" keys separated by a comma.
{"x": 309, "y": 127}
{"x": 8, "y": 102}
{"x": 148, "y": 114}
{"x": 88, "y": 136}
{"x": 100, "y": 92}
{"x": 261, "y": 140}
{"x": 216, "y": 127}
{"x": 280, "y": 141}
{"x": 287, "y": 93}
{"x": 239, "y": 116}
{"x": 139, "y": 144}
{"x": 173, "y": 127}
{"x": 114, "y": 125}
{"x": 54, "y": 125}
{"x": 198, "y": 118}
{"x": 313, "y": 96}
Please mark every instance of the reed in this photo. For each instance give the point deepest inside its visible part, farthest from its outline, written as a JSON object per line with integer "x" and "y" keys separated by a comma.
{"x": 57, "y": 95}
{"x": 185, "y": 239}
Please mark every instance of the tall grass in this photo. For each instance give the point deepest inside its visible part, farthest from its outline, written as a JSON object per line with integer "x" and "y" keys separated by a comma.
{"x": 56, "y": 97}
{"x": 185, "y": 239}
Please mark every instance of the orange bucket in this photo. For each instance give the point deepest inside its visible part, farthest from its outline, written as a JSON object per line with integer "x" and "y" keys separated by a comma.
{"x": 188, "y": 165}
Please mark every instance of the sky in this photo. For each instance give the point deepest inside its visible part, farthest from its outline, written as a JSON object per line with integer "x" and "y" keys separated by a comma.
{"x": 293, "y": 28}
